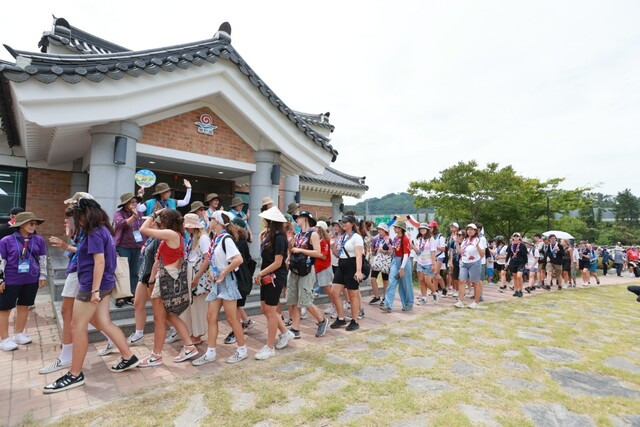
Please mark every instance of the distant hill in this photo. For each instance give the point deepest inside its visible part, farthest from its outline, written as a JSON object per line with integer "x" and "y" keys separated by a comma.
{"x": 390, "y": 204}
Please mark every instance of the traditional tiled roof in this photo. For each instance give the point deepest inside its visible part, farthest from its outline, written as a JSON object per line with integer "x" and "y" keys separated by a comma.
{"x": 333, "y": 177}
{"x": 76, "y": 40}
{"x": 321, "y": 120}
{"x": 47, "y": 68}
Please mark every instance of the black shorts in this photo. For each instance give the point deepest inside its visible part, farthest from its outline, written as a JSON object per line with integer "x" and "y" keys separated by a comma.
{"x": 18, "y": 295}
{"x": 517, "y": 267}
{"x": 242, "y": 301}
{"x": 344, "y": 274}
{"x": 499, "y": 267}
{"x": 566, "y": 265}
{"x": 456, "y": 271}
{"x": 583, "y": 263}
{"x": 270, "y": 294}
{"x": 374, "y": 274}
{"x": 85, "y": 296}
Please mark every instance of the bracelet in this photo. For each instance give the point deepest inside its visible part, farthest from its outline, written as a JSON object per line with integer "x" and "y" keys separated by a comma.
{"x": 97, "y": 290}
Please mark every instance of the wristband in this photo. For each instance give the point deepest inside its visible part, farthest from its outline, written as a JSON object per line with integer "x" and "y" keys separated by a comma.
{"x": 97, "y": 290}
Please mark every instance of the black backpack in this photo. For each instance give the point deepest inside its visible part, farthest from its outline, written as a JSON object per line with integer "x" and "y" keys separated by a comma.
{"x": 244, "y": 274}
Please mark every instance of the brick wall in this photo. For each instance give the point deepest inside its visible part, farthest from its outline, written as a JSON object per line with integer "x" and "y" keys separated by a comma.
{"x": 46, "y": 190}
{"x": 317, "y": 211}
{"x": 181, "y": 133}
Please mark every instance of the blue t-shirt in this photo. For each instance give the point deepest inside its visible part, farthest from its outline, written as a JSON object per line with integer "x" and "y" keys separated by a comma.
{"x": 100, "y": 241}
{"x": 151, "y": 203}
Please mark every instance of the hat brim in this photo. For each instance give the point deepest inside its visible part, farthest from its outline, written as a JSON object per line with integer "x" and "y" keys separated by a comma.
{"x": 237, "y": 204}
{"x": 138, "y": 200}
{"x": 196, "y": 209}
{"x": 18, "y": 224}
{"x": 162, "y": 191}
{"x": 198, "y": 225}
{"x": 213, "y": 198}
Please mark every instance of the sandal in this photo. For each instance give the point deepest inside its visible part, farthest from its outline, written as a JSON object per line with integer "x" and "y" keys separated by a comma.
{"x": 120, "y": 303}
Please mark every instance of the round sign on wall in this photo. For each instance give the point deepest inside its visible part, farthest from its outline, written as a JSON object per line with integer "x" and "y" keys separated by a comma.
{"x": 145, "y": 178}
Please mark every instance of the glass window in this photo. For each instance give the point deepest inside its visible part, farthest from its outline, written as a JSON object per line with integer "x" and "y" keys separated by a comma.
{"x": 13, "y": 184}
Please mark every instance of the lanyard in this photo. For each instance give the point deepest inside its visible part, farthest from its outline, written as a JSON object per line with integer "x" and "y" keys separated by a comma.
{"x": 217, "y": 241}
{"x": 422, "y": 243}
{"x": 467, "y": 243}
{"x": 515, "y": 251}
{"x": 343, "y": 242}
{"x": 552, "y": 250}
{"x": 22, "y": 252}
{"x": 301, "y": 238}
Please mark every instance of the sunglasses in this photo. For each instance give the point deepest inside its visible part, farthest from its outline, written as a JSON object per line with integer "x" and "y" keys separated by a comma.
{"x": 460, "y": 234}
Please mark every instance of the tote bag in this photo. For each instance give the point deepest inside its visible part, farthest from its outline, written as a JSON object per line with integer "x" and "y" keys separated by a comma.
{"x": 123, "y": 281}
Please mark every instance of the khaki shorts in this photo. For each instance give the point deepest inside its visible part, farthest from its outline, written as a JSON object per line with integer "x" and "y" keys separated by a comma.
{"x": 156, "y": 287}
{"x": 300, "y": 289}
{"x": 555, "y": 269}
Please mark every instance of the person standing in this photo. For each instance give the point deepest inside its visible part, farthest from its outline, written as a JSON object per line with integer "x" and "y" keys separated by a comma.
{"x": 96, "y": 268}
{"x": 441, "y": 246}
{"x": 200, "y": 210}
{"x": 23, "y": 270}
{"x": 517, "y": 260}
{"x": 127, "y": 221}
{"x": 381, "y": 249}
{"x": 471, "y": 251}
{"x": 213, "y": 204}
{"x": 532, "y": 264}
{"x": 400, "y": 272}
{"x": 555, "y": 257}
{"x": 606, "y": 257}
{"x": 237, "y": 212}
{"x": 618, "y": 258}
{"x": 425, "y": 248}
{"x": 162, "y": 198}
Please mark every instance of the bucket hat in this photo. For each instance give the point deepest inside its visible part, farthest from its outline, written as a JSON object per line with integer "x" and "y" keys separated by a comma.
{"x": 236, "y": 201}
{"x": 292, "y": 207}
{"x": 161, "y": 187}
{"x": 195, "y": 206}
{"x": 127, "y": 197}
{"x": 323, "y": 225}
{"x": 76, "y": 197}
{"x": 312, "y": 220}
{"x": 210, "y": 197}
{"x": 401, "y": 224}
{"x": 423, "y": 225}
{"x": 383, "y": 226}
{"x": 24, "y": 217}
{"x": 267, "y": 201}
{"x": 192, "y": 220}
{"x": 273, "y": 214}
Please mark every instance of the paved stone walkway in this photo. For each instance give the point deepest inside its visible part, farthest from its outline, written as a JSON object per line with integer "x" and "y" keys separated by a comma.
{"x": 22, "y": 395}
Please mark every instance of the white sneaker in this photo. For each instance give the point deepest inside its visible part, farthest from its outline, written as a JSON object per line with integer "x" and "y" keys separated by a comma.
{"x": 135, "y": 339}
{"x": 436, "y": 298}
{"x": 22, "y": 338}
{"x": 237, "y": 357}
{"x": 631, "y": 275}
{"x": 8, "y": 344}
{"x": 172, "y": 336}
{"x": 203, "y": 359}
{"x": 107, "y": 350}
{"x": 459, "y": 304}
{"x": 54, "y": 366}
{"x": 346, "y": 305}
{"x": 331, "y": 311}
{"x": 455, "y": 294}
{"x": 473, "y": 305}
{"x": 422, "y": 301}
{"x": 303, "y": 313}
{"x": 265, "y": 353}
{"x": 283, "y": 339}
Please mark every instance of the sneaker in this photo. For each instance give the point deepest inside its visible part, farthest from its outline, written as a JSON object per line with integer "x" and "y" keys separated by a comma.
{"x": 385, "y": 308}
{"x": 8, "y": 344}
{"x": 135, "y": 339}
{"x": 303, "y": 313}
{"x": 374, "y": 300}
{"x": 473, "y": 305}
{"x": 237, "y": 357}
{"x": 559, "y": 287}
{"x": 444, "y": 292}
{"x": 151, "y": 360}
{"x": 346, "y": 305}
{"x": 516, "y": 293}
{"x": 455, "y": 294}
{"x": 330, "y": 310}
{"x": 22, "y": 339}
{"x": 501, "y": 289}
{"x": 250, "y": 324}
{"x": 65, "y": 382}
{"x": 204, "y": 359}
{"x": 322, "y": 328}
{"x": 520, "y": 295}
{"x": 353, "y": 326}
{"x": 230, "y": 339}
{"x": 172, "y": 336}
{"x": 119, "y": 303}
{"x": 528, "y": 289}
{"x": 382, "y": 302}
{"x": 186, "y": 354}
{"x": 407, "y": 308}
{"x": 296, "y": 334}
{"x": 361, "y": 313}
{"x": 436, "y": 298}
{"x": 125, "y": 365}
{"x": 288, "y": 322}
{"x": 422, "y": 301}
{"x": 283, "y": 340}
{"x": 547, "y": 287}
{"x": 338, "y": 323}
{"x": 459, "y": 304}
{"x": 54, "y": 366}
{"x": 265, "y": 353}
{"x": 108, "y": 349}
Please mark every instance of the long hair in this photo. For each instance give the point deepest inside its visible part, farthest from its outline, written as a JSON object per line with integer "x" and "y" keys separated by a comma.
{"x": 242, "y": 234}
{"x": 426, "y": 236}
{"x": 273, "y": 228}
{"x": 435, "y": 230}
{"x": 197, "y": 234}
{"x": 322, "y": 234}
{"x": 93, "y": 215}
{"x": 230, "y": 227}
{"x": 171, "y": 219}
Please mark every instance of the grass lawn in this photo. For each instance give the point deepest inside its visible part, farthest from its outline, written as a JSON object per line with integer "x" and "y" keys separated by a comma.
{"x": 440, "y": 368}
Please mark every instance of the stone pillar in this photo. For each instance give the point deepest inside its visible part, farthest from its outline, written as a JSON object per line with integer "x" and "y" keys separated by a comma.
{"x": 336, "y": 201}
{"x": 79, "y": 179}
{"x": 260, "y": 186}
{"x": 291, "y": 187}
{"x": 107, "y": 180}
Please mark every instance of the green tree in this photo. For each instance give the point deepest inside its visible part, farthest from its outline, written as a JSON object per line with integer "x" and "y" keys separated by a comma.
{"x": 626, "y": 207}
{"x": 501, "y": 199}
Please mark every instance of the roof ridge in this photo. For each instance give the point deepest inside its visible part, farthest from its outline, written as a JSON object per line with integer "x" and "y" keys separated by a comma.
{"x": 345, "y": 175}
{"x": 62, "y": 28}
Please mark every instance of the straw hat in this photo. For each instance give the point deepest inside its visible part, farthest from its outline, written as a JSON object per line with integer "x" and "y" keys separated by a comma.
{"x": 195, "y": 206}
{"x": 161, "y": 187}
{"x": 267, "y": 201}
{"x": 273, "y": 214}
{"x": 24, "y": 217}
{"x": 127, "y": 197}
{"x": 527, "y": 241}
{"x": 210, "y": 197}
{"x": 192, "y": 220}
{"x": 401, "y": 224}
{"x": 236, "y": 201}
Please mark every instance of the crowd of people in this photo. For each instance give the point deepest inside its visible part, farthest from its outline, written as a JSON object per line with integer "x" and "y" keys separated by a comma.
{"x": 193, "y": 266}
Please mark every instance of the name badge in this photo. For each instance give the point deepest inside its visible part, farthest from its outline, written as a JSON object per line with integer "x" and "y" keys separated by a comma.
{"x": 137, "y": 236}
{"x": 24, "y": 266}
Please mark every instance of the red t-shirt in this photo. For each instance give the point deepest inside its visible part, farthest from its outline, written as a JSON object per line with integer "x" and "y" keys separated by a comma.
{"x": 401, "y": 248}
{"x": 632, "y": 255}
{"x": 320, "y": 263}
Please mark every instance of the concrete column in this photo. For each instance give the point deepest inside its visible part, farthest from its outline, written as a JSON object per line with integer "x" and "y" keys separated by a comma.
{"x": 291, "y": 187}
{"x": 79, "y": 179}
{"x": 260, "y": 186}
{"x": 107, "y": 181}
{"x": 336, "y": 201}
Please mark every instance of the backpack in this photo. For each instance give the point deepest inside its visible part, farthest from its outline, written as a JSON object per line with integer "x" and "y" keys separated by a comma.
{"x": 244, "y": 274}
{"x": 301, "y": 264}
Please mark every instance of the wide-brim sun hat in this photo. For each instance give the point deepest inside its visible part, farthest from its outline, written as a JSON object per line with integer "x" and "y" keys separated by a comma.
{"x": 273, "y": 214}
{"x": 292, "y": 207}
{"x": 323, "y": 225}
{"x": 126, "y": 198}
{"x": 267, "y": 201}
{"x": 527, "y": 241}
{"x": 401, "y": 225}
{"x": 24, "y": 217}
{"x": 210, "y": 197}
{"x": 383, "y": 226}
{"x": 195, "y": 206}
{"x": 161, "y": 187}
{"x": 236, "y": 201}
{"x": 192, "y": 220}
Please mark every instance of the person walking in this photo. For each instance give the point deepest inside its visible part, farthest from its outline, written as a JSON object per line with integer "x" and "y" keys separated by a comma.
{"x": 382, "y": 249}
{"x": 517, "y": 260}
{"x": 127, "y": 221}
{"x": 555, "y": 256}
{"x": 425, "y": 248}
{"x": 471, "y": 251}
{"x": 606, "y": 257}
{"x": 618, "y": 258}
{"x": 400, "y": 272}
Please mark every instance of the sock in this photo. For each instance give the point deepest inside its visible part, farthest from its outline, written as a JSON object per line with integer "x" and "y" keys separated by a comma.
{"x": 242, "y": 349}
{"x": 211, "y": 352}
{"x": 65, "y": 353}
{"x": 139, "y": 332}
{"x": 294, "y": 330}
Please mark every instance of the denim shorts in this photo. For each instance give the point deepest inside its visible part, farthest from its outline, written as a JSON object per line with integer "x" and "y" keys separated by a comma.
{"x": 426, "y": 269}
{"x": 471, "y": 271}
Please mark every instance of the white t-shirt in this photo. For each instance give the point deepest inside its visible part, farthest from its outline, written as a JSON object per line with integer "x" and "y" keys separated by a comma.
{"x": 219, "y": 258}
{"x": 425, "y": 248}
{"x": 502, "y": 252}
{"x": 350, "y": 245}
{"x": 334, "y": 258}
{"x": 200, "y": 249}
{"x": 440, "y": 243}
{"x": 483, "y": 242}
{"x": 576, "y": 255}
{"x": 470, "y": 250}
{"x": 532, "y": 255}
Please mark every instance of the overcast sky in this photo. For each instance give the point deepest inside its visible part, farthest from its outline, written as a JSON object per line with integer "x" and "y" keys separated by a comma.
{"x": 552, "y": 88}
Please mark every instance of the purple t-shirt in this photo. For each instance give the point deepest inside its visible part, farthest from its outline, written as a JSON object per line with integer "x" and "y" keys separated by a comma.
{"x": 11, "y": 249}
{"x": 100, "y": 241}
